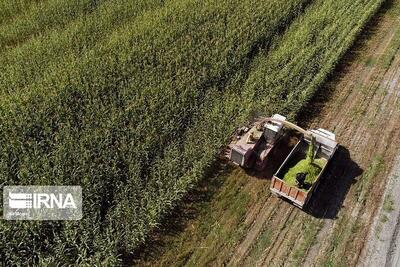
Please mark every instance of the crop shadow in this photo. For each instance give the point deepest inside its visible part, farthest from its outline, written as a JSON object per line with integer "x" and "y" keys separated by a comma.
{"x": 340, "y": 174}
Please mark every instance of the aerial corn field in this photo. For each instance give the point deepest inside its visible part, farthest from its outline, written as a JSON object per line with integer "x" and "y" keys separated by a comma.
{"x": 134, "y": 101}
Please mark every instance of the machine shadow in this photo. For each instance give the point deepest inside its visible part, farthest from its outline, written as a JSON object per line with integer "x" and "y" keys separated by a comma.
{"x": 341, "y": 173}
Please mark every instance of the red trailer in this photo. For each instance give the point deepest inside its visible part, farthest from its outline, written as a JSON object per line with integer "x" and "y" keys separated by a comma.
{"x": 326, "y": 147}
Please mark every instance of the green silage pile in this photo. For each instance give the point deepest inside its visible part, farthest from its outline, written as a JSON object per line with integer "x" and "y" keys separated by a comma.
{"x": 311, "y": 169}
{"x": 309, "y": 166}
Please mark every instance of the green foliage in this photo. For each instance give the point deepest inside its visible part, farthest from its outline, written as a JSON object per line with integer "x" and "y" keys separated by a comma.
{"x": 307, "y": 53}
{"x": 310, "y": 152}
{"x": 37, "y": 18}
{"x": 9, "y": 9}
{"x": 309, "y": 166}
{"x": 388, "y": 203}
{"x": 132, "y": 101}
{"x": 311, "y": 169}
{"x": 44, "y": 55}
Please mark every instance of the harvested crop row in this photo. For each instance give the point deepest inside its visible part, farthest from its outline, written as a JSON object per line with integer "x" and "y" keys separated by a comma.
{"x": 103, "y": 120}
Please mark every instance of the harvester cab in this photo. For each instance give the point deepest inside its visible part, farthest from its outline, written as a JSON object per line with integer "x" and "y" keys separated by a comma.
{"x": 251, "y": 146}
{"x": 273, "y": 128}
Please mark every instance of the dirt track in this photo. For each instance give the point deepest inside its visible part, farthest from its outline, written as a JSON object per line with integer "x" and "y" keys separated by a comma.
{"x": 241, "y": 223}
{"x": 383, "y": 247}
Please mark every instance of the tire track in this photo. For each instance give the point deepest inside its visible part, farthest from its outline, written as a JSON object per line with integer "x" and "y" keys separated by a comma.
{"x": 334, "y": 114}
{"x": 243, "y": 248}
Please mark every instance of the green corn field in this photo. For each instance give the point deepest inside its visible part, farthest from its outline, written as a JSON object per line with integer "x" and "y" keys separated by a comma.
{"x": 134, "y": 100}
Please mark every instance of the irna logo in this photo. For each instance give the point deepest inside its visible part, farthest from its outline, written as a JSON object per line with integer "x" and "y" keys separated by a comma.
{"x": 42, "y": 202}
{"x": 38, "y": 201}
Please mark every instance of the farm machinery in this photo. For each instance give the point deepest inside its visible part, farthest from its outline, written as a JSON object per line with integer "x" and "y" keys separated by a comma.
{"x": 303, "y": 155}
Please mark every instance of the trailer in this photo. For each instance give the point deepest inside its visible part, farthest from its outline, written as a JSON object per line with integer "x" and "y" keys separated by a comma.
{"x": 326, "y": 146}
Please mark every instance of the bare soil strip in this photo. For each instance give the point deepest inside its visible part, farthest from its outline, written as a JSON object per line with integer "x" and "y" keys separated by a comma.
{"x": 383, "y": 248}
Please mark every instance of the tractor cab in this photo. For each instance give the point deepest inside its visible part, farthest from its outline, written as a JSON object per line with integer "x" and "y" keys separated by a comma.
{"x": 253, "y": 145}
